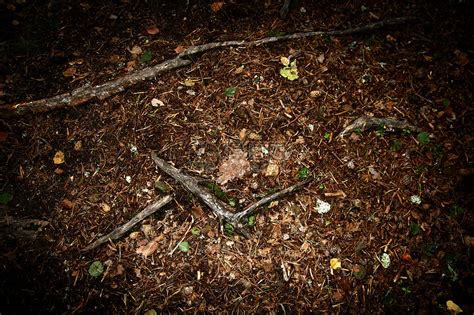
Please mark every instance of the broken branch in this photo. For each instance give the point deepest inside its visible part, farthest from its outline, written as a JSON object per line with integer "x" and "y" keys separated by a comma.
{"x": 118, "y": 232}
{"x": 85, "y": 94}
{"x": 365, "y": 122}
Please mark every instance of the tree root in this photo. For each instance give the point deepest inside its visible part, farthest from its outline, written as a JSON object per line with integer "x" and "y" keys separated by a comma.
{"x": 365, "y": 122}
{"x": 85, "y": 94}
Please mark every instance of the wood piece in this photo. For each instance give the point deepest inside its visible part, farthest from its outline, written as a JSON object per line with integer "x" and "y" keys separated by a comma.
{"x": 220, "y": 210}
{"x": 87, "y": 93}
{"x": 121, "y": 230}
{"x": 365, "y": 122}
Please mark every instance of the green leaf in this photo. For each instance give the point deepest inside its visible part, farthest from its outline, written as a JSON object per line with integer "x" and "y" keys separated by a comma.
{"x": 446, "y": 103}
{"x": 184, "y": 247}
{"x": 424, "y": 138}
{"x": 230, "y": 91}
{"x": 232, "y": 202}
{"x": 251, "y": 221}
{"x": 396, "y": 146}
{"x": 303, "y": 173}
{"x": 151, "y": 312}
{"x": 415, "y": 228}
{"x": 290, "y": 72}
{"x": 5, "y": 198}
{"x": 385, "y": 260}
{"x": 96, "y": 268}
{"x": 145, "y": 57}
{"x": 196, "y": 231}
{"x": 228, "y": 229}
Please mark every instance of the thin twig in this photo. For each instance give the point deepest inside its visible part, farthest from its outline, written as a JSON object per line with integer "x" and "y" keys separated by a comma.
{"x": 118, "y": 232}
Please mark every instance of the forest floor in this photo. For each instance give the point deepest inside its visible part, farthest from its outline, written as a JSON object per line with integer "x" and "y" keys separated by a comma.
{"x": 399, "y": 231}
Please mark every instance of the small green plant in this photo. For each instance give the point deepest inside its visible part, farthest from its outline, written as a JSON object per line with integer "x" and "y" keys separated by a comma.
{"x": 196, "y": 231}
{"x": 406, "y": 131}
{"x": 289, "y": 70}
{"x": 456, "y": 211}
{"x": 303, "y": 173}
{"x": 229, "y": 229}
{"x": 396, "y": 146}
{"x": 251, "y": 220}
{"x": 423, "y": 138}
{"x": 5, "y": 198}
{"x": 438, "y": 151}
{"x": 446, "y": 103}
{"x": 230, "y": 91}
{"x": 429, "y": 249}
{"x": 216, "y": 190}
{"x": 275, "y": 33}
{"x": 415, "y": 228}
{"x": 406, "y": 290}
{"x": 358, "y": 131}
{"x": 380, "y": 132}
{"x": 327, "y": 136}
{"x": 232, "y": 202}
{"x": 146, "y": 57}
{"x": 96, "y": 268}
{"x": 322, "y": 186}
{"x": 184, "y": 246}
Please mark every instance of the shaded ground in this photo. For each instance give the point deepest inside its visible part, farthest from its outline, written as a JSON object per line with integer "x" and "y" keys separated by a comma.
{"x": 421, "y": 72}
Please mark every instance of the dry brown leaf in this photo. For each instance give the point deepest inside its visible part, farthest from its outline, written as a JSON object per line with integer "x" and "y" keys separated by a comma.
{"x": 217, "y": 6}
{"x": 105, "y": 207}
{"x": 179, "y": 49}
{"x": 68, "y": 204}
{"x": 78, "y": 145}
{"x": 272, "y": 169}
{"x": 235, "y": 166}
{"x": 148, "y": 249}
{"x": 136, "y": 50}
{"x": 152, "y": 30}
{"x": 69, "y": 72}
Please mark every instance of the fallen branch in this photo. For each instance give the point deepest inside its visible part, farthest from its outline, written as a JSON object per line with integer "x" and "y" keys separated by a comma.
{"x": 85, "y": 94}
{"x": 220, "y": 209}
{"x": 365, "y": 122}
{"x": 121, "y": 230}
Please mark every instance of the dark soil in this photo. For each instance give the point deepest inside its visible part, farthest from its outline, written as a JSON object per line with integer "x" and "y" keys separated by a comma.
{"x": 420, "y": 72}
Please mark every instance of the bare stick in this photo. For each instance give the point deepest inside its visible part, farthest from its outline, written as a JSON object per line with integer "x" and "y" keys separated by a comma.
{"x": 364, "y": 123}
{"x": 87, "y": 93}
{"x": 118, "y": 232}
{"x": 218, "y": 207}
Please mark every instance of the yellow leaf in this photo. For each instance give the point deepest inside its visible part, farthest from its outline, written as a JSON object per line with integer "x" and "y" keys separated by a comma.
{"x": 59, "y": 157}
{"x": 453, "y": 307}
{"x": 335, "y": 263}
{"x": 189, "y": 82}
{"x": 285, "y": 61}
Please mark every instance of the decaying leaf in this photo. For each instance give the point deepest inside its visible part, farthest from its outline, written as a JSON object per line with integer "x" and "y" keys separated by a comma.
{"x": 453, "y": 307}
{"x": 235, "y": 166}
{"x": 217, "y": 5}
{"x": 335, "y": 263}
{"x": 58, "y": 157}
{"x": 148, "y": 249}
{"x": 136, "y": 50}
{"x": 69, "y": 72}
{"x": 152, "y": 30}
{"x": 272, "y": 169}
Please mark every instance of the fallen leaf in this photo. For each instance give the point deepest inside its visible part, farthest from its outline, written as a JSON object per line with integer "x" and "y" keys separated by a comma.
{"x": 78, "y": 145}
{"x": 391, "y": 39}
{"x": 243, "y": 134}
{"x": 239, "y": 70}
{"x": 136, "y": 50}
{"x": 131, "y": 65}
{"x": 272, "y": 169}
{"x": 217, "y": 6}
{"x": 58, "y": 157}
{"x": 184, "y": 246}
{"x": 148, "y": 249}
{"x": 235, "y": 166}
{"x": 152, "y": 30}
{"x": 69, "y": 72}
{"x": 68, "y": 204}
{"x": 461, "y": 58}
{"x": 255, "y": 136}
{"x": 59, "y": 171}
{"x": 189, "y": 82}
{"x": 453, "y": 307}
{"x": 156, "y": 102}
{"x": 179, "y": 49}
{"x": 321, "y": 58}
{"x": 469, "y": 240}
{"x": 335, "y": 263}
{"x": 105, "y": 207}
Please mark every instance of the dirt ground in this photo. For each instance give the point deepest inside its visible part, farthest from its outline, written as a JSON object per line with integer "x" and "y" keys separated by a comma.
{"x": 399, "y": 232}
